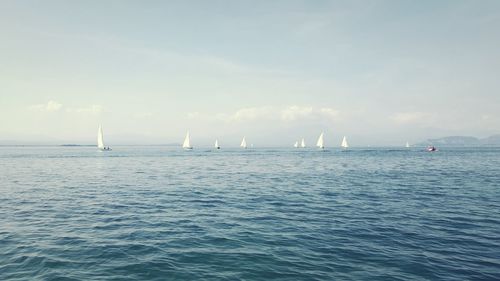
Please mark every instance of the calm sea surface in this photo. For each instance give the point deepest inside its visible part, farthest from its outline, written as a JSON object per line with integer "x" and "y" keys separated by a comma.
{"x": 159, "y": 213}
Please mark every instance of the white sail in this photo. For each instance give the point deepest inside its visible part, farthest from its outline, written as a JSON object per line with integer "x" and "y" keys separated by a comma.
{"x": 296, "y": 144}
{"x": 344, "y": 143}
{"x": 243, "y": 143}
{"x": 303, "y": 143}
{"x": 100, "y": 138}
{"x": 320, "y": 143}
{"x": 407, "y": 144}
{"x": 187, "y": 142}
{"x": 217, "y": 144}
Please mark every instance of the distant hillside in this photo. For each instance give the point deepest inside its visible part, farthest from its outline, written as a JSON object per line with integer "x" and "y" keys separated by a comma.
{"x": 456, "y": 141}
{"x": 71, "y": 144}
{"x": 464, "y": 141}
{"x": 491, "y": 140}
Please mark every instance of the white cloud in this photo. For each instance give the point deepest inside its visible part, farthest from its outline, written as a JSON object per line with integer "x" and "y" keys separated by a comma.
{"x": 222, "y": 116}
{"x": 223, "y": 64}
{"x": 51, "y": 106}
{"x": 193, "y": 115}
{"x": 486, "y": 117}
{"x": 290, "y": 113}
{"x": 330, "y": 112}
{"x": 93, "y": 109}
{"x": 287, "y": 114}
{"x": 312, "y": 27}
{"x": 142, "y": 115}
{"x": 253, "y": 113}
{"x": 295, "y": 112}
{"x": 413, "y": 117}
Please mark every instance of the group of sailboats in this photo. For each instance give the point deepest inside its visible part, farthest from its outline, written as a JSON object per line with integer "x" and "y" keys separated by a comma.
{"x": 187, "y": 142}
{"x": 302, "y": 144}
{"x": 320, "y": 143}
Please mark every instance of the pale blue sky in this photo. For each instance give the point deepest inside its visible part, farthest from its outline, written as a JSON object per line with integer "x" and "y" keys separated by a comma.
{"x": 380, "y": 72}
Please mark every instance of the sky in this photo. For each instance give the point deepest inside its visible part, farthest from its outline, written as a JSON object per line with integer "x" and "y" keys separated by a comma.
{"x": 379, "y": 72}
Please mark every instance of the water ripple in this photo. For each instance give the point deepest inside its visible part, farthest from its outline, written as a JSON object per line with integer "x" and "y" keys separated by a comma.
{"x": 155, "y": 214}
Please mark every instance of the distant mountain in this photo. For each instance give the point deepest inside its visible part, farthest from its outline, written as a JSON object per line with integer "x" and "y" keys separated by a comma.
{"x": 24, "y": 143}
{"x": 456, "y": 141}
{"x": 464, "y": 141}
{"x": 491, "y": 140}
{"x": 71, "y": 144}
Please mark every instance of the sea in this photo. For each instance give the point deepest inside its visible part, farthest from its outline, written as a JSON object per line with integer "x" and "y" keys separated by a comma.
{"x": 162, "y": 213}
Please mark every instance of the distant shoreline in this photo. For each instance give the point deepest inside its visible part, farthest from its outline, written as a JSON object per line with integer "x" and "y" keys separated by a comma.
{"x": 416, "y": 146}
{"x": 449, "y": 141}
{"x": 79, "y": 145}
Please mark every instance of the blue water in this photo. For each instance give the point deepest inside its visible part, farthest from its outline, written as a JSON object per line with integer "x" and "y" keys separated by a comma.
{"x": 159, "y": 213}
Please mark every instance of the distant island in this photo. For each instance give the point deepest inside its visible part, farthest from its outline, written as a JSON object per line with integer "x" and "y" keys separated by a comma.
{"x": 463, "y": 141}
{"x": 71, "y": 144}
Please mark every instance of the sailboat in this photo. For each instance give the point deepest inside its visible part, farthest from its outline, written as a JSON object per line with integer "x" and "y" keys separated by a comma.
{"x": 100, "y": 140}
{"x": 187, "y": 142}
{"x": 243, "y": 143}
{"x": 217, "y": 144}
{"x": 320, "y": 143}
{"x": 296, "y": 144}
{"x": 303, "y": 143}
{"x": 344, "y": 143}
{"x": 407, "y": 145}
